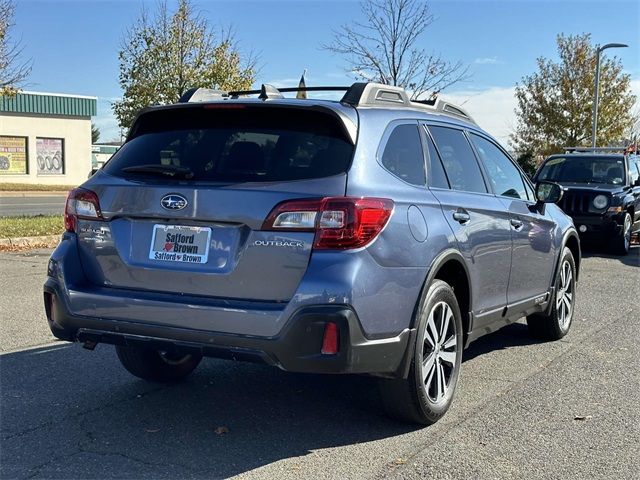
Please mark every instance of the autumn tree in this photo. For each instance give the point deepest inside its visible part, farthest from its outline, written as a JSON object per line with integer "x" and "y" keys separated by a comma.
{"x": 554, "y": 104}
{"x": 527, "y": 162}
{"x": 387, "y": 48}
{"x": 164, "y": 55}
{"x": 13, "y": 70}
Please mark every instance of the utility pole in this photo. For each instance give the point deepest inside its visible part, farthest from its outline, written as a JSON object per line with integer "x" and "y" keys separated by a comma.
{"x": 597, "y": 87}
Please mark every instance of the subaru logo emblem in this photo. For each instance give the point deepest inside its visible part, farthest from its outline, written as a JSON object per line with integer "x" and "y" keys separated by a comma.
{"x": 173, "y": 201}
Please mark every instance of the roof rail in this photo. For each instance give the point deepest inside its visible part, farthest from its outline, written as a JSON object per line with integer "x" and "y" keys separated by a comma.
{"x": 374, "y": 94}
{"x": 594, "y": 149}
{"x": 358, "y": 95}
{"x": 202, "y": 95}
{"x": 377, "y": 94}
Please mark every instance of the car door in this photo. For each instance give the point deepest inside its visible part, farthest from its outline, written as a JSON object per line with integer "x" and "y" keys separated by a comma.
{"x": 534, "y": 254}
{"x": 634, "y": 175}
{"x": 477, "y": 218}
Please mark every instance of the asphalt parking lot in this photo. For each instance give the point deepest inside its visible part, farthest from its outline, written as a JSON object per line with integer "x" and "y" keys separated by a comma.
{"x": 566, "y": 409}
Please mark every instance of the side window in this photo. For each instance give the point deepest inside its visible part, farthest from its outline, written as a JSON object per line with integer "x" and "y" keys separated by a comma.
{"x": 403, "y": 155}
{"x": 530, "y": 193}
{"x": 634, "y": 171}
{"x": 436, "y": 176}
{"x": 503, "y": 174}
{"x": 458, "y": 159}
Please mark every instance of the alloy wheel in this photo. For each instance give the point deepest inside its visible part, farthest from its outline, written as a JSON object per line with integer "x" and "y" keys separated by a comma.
{"x": 564, "y": 297}
{"x": 627, "y": 231}
{"x": 439, "y": 352}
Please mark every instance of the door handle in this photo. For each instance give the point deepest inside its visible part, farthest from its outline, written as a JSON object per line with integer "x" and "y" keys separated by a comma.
{"x": 517, "y": 224}
{"x": 461, "y": 216}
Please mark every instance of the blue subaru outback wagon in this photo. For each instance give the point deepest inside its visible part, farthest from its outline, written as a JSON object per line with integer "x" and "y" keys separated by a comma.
{"x": 372, "y": 235}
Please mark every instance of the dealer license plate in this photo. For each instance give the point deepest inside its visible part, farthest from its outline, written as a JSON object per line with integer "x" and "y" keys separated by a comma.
{"x": 178, "y": 243}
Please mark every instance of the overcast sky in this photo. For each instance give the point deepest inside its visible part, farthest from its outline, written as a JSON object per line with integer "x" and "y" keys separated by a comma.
{"x": 74, "y": 44}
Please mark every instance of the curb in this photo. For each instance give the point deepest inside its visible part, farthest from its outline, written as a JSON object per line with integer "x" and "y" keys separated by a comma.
{"x": 29, "y": 241}
{"x": 38, "y": 193}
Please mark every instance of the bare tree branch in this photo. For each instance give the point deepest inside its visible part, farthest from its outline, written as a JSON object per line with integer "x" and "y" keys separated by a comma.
{"x": 385, "y": 48}
{"x": 13, "y": 71}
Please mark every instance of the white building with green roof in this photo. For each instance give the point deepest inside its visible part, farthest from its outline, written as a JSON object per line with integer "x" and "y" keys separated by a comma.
{"x": 45, "y": 138}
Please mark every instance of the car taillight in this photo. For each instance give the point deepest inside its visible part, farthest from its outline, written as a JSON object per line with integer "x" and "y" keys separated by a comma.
{"x": 81, "y": 203}
{"x": 339, "y": 222}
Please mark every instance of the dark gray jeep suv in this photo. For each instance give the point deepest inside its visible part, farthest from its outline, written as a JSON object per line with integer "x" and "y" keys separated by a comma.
{"x": 371, "y": 235}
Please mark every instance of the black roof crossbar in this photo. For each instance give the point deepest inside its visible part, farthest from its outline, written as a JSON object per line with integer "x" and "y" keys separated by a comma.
{"x": 594, "y": 149}
{"x": 271, "y": 90}
{"x": 360, "y": 94}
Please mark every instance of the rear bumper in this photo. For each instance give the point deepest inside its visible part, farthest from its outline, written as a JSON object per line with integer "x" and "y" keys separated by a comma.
{"x": 296, "y": 348}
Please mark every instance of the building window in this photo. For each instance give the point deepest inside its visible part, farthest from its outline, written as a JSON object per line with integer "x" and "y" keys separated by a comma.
{"x": 50, "y": 156}
{"x": 13, "y": 155}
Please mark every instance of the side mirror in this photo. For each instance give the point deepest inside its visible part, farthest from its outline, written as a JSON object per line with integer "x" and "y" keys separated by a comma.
{"x": 548, "y": 192}
{"x": 637, "y": 182}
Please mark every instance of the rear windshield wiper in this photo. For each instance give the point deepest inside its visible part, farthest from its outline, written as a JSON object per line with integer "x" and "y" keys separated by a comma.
{"x": 166, "y": 170}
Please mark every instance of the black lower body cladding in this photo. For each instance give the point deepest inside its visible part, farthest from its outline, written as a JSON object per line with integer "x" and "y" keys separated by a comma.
{"x": 297, "y": 348}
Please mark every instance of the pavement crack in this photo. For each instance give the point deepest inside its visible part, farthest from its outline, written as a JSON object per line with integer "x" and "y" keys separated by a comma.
{"x": 38, "y": 468}
{"x": 51, "y": 423}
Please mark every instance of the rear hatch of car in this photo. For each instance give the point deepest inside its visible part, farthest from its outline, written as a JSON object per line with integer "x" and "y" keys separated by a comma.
{"x": 180, "y": 208}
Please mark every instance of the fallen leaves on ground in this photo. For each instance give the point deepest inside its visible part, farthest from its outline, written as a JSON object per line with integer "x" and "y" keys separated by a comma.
{"x": 583, "y": 417}
{"x": 25, "y": 248}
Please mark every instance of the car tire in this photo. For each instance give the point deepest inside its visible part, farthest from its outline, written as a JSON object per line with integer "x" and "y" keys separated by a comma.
{"x": 427, "y": 392}
{"x": 156, "y": 366}
{"x": 556, "y": 324}
{"x": 622, "y": 242}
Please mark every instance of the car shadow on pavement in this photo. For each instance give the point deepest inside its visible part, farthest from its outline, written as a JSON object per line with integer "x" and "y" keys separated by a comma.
{"x": 70, "y": 413}
{"x": 594, "y": 250}
{"x": 512, "y": 335}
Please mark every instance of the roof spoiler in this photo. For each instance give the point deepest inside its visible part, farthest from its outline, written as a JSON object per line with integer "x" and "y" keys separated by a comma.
{"x": 359, "y": 94}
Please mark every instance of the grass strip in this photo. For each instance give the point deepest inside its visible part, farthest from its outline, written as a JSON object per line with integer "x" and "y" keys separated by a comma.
{"x": 13, "y": 227}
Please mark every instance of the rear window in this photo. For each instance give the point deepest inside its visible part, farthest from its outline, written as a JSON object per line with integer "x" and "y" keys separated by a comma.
{"x": 240, "y": 144}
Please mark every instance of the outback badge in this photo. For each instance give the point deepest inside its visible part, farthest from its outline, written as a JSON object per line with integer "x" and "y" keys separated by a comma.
{"x": 173, "y": 201}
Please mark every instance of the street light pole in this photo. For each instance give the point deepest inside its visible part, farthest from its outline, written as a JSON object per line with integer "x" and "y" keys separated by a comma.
{"x": 597, "y": 87}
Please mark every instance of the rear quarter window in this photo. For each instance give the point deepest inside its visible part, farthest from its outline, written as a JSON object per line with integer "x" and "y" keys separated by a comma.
{"x": 403, "y": 156}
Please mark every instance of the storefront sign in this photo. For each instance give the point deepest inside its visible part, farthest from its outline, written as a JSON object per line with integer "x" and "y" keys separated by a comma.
{"x": 49, "y": 156}
{"x": 13, "y": 155}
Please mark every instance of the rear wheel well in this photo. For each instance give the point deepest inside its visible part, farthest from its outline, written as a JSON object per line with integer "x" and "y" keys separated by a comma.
{"x": 455, "y": 275}
{"x": 573, "y": 245}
